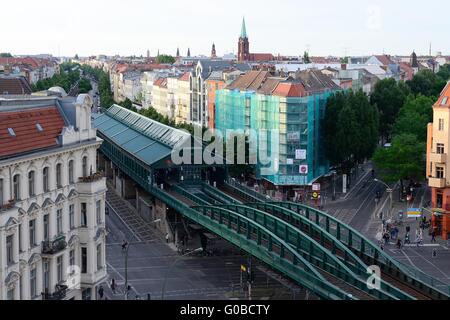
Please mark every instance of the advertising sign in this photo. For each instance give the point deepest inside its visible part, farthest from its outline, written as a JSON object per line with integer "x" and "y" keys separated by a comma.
{"x": 300, "y": 154}
{"x": 316, "y": 187}
{"x": 414, "y": 213}
{"x": 293, "y": 136}
{"x": 289, "y": 161}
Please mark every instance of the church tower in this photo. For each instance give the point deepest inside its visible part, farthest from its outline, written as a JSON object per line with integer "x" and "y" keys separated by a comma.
{"x": 213, "y": 51}
{"x": 243, "y": 46}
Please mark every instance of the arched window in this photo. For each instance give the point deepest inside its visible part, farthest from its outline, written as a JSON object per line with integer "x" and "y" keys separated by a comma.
{"x": 45, "y": 181}
{"x": 31, "y": 184}
{"x": 16, "y": 183}
{"x": 71, "y": 180}
{"x": 85, "y": 167}
{"x": 58, "y": 176}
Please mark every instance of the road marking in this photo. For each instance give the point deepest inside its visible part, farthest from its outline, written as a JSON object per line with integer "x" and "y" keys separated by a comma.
{"x": 427, "y": 260}
{"x": 410, "y": 261}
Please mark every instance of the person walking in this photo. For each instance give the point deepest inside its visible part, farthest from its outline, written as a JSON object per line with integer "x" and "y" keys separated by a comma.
{"x": 124, "y": 244}
{"x": 167, "y": 238}
{"x": 399, "y": 244}
{"x": 100, "y": 292}
{"x": 113, "y": 285}
{"x": 433, "y": 236}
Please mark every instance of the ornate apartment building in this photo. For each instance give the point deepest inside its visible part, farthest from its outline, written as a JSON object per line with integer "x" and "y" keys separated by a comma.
{"x": 52, "y": 200}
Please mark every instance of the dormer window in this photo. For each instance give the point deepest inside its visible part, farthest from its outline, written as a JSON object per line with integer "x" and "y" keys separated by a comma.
{"x": 39, "y": 127}
{"x": 11, "y": 132}
{"x": 444, "y": 101}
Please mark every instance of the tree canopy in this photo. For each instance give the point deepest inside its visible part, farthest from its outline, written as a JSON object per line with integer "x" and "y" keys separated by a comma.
{"x": 349, "y": 129}
{"x": 427, "y": 83}
{"x": 165, "y": 58}
{"x": 388, "y": 96}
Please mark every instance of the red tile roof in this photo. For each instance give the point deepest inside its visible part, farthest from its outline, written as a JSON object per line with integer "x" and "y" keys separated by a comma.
{"x": 28, "y": 137}
{"x": 289, "y": 89}
{"x": 261, "y": 57}
{"x": 384, "y": 59}
{"x": 14, "y": 85}
{"x": 185, "y": 76}
{"x": 161, "y": 82}
{"x": 444, "y": 99}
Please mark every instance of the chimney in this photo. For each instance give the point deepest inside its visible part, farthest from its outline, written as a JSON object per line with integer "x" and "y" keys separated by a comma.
{"x": 344, "y": 66}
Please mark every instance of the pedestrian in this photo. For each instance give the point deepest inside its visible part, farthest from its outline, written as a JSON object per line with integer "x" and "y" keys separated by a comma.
{"x": 434, "y": 253}
{"x": 399, "y": 244}
{"x": 100, "y": 292}
{"x": 433, "y": 236}
{"x": 124, "y": 244}
{"x": 381, "y": 217}
{"x": 381, "y": 246}
{"x": 113, "y": 285}
{"x": 167, "y": 238}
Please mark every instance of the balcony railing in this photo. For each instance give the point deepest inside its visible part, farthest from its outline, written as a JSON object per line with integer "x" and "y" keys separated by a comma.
{"x": 55, "y": 246}
{"x": 436, "y": 182}
{"x": 92, "y": 177}
{"x": 59, "y": 294}
{"x": 437, "y": 157}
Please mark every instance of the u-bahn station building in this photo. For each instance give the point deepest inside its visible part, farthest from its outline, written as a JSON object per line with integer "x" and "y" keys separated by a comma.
{"x": 136, "y": 156}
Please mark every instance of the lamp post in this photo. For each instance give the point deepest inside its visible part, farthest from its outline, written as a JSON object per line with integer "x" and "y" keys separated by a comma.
{"x": 389, "y": 190}
{"x": 163, "y": 291}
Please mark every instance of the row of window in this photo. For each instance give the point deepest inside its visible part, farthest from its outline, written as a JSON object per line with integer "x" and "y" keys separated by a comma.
{"x": 46, "y": 228}
{"x": 60, "y": 272}
{"x": 45, "y": 180}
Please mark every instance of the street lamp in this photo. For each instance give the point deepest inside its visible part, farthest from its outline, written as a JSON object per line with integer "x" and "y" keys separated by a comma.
{"x": 163, "y": 291}
{"x": 389, "y": 190}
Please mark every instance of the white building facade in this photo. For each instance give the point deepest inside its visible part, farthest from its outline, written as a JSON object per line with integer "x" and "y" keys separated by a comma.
{"x": 52, "y": 206}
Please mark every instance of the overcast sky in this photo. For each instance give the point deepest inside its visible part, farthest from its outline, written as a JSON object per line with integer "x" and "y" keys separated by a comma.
{"x": 325, "y": 27}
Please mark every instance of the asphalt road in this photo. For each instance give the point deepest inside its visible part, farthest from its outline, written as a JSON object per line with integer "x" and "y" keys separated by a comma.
{"x": 196, "y": 277}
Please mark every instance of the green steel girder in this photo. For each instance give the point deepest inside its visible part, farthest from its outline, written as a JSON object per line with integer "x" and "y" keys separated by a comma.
{"x": 372, "y": 253}
{"x": 209, "y": 190}
{"x": 312, "y": 250}
{"x": 351, "y": 259}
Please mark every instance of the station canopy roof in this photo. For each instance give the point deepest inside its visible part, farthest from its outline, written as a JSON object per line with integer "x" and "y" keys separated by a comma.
{"x": 147, "y": 140}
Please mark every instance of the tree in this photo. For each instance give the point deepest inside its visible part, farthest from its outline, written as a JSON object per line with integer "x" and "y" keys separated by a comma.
{"x": 126, "y": 104}
{"x": 84, "y": 86}
{"x": 426, "y": 83}
{"x": 165, "y": 58}
{"x": 389, "y": 97}
{"x": 349, "y": 129}
{"x": 415, "y": 116}
{"x": 306, "y": 58}
{"x": 403, "y": 160}
{"x": 444, "y": 72}
{"x": 5, "y": 55}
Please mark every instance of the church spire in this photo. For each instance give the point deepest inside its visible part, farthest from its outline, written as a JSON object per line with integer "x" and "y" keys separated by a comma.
{"x": 243, "y": 29}
{"x": 189, "y": 52}
{"x": 213, "y": 51}
{"x": 178, "y": 52}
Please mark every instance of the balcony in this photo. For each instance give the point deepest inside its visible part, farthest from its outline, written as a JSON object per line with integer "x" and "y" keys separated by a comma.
{"x": 436, "y": 182}
{"x": 59, "y": 294}
{"x": 92, "y": 184}
{"x": 55, "y": 246}
{"x": 437, "y": 158}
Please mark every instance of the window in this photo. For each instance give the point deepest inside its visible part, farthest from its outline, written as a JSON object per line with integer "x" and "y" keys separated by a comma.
{"x": 59, "y": 269}
{"x": 20, "y": 237}
{"x": 45, "y": 180}
{"x": 72, "y": 257}
{"x": 441, "y": 124}
{"x": 33, "y": 282}
{"x": 45, "y": 276}
{"x": 1, "y": 192}
{"x": 59, "y": 222}
{"x": 84, "y": 167}
{"x": 46, "y": 227}
{"x": 83, "y": 260}
{"x": 99, "y": 256}
{"x": 32, "y": 226}
{"x": 83, "y": 214}
{"x": 98, "y": 212}
{"x": 440, "y": 148}
{"x": 71, "y": 172}
{"x": 72, "y": 216}
{"x": 440, "y": 172}
{"x": 16, "y": 183}
{"x": 10, "y": 249}
{"x": 444, "y": 101}
{"x": 31, "y": 189}
{"x": 58, "y": 176}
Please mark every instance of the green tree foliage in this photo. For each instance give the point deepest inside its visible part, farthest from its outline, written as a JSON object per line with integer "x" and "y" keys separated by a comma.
{"x": 306, "y": 58}
{"x": 444, "y": 72}
{"x": 104, "y": 85}
{"x": 403, "y": 160}
{"x": 84, "y": 86}
{"x": 427, "y": 83}
{"x": 349, "y": 129}
{"x": 389, "y": 97}
{"x": 126, "y": 103}
{"x": 415, "y": 116}
{"x": 165, "y": 58}
{"x": 5, "y": 55}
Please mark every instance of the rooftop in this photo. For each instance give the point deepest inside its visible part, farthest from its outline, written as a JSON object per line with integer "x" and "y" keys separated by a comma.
{"x": 14, "y": 85}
